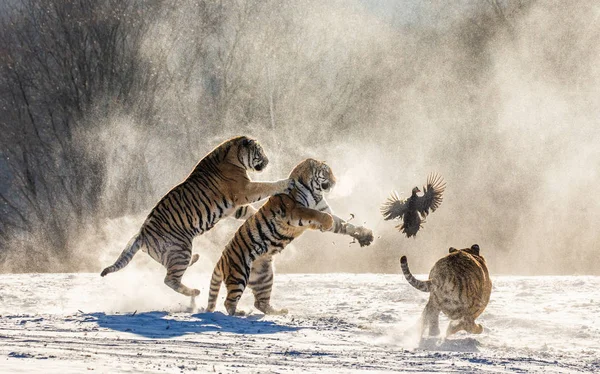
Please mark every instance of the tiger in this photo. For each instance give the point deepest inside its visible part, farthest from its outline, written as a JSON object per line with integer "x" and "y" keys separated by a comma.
{"x": 217, "y": 187}
{"x": 247, "y": 258}
{"x": 459, "y": 286}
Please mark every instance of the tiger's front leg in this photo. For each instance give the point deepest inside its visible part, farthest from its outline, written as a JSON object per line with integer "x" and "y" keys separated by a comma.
{"x": 261, "y": 283}
{"x": 179, "y": 258}
{"x": 252, "y": 192}
{"x": 360, "y": 233}
{"x": 312, "y": 218}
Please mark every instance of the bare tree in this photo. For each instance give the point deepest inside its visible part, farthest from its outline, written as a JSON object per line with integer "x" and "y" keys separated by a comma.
{"x": 60, "y": 61}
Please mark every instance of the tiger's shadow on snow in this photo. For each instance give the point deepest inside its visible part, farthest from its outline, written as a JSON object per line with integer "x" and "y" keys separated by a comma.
{"x": 162, "y": 325}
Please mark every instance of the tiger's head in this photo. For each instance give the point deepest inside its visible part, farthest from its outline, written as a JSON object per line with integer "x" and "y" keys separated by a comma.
{"x": 314, "y": 175}
{"x": 250, "y": 154}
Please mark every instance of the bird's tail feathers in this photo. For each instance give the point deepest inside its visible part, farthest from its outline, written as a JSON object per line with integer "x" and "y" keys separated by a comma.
{"x": 410, "y": 230}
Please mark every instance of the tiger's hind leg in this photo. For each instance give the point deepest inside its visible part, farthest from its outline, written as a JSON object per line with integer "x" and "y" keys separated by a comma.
{"x": 454, "y": 327}
{"x": 179, "y": 258}
{"x": 236, "y": 282}
{"x": 261, "y": 283}
{"x": 235, "y": 289}
{"x": 235, "y": 275}
{"x": 215, "y": 285}
{"x": 431, "y": 319}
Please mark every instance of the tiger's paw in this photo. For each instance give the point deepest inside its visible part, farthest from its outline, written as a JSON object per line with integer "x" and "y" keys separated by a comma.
{"x": 233, "y": 311}
{"x": 272, "y": 311}
{"x": 363, "y": 235}
{"x": 268, "y": 309}
{"x": 278, "y": 312}
{"x": 477, "y": 329}
{"x": 195, "y": 292}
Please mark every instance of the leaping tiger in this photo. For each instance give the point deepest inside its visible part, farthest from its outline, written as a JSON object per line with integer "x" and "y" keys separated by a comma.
{"x": 247, "y": 258}
{"x": 217, "y": 187}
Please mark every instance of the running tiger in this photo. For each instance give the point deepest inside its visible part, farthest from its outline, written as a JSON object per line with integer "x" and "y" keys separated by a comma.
{"x": 247, "y": 258}
{"x": 217, "y": 187}
{"x": 460, "y": 286}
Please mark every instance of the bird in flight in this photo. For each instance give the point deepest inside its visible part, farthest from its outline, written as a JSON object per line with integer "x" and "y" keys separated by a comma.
{"x": 414, "y": 210}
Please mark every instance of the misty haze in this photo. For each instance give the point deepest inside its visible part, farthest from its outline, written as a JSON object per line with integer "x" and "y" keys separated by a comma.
{"x": 502, "y": 102}
{"x": 105, "y": 105}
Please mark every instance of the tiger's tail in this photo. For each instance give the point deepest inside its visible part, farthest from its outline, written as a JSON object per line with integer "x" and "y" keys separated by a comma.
{"x": 419, "y": 285}
{"x": 215, "y": 286}
{"x": 133, "y": 246}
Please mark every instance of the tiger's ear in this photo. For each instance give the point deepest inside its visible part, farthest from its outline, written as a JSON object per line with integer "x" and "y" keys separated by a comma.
{"x": 247, "y": 141}
{"x": 475, "y": 249}
{"x": 452, "y": 249}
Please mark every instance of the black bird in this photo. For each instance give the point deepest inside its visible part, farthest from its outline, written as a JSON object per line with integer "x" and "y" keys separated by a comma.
{"x": 415, "y": 209}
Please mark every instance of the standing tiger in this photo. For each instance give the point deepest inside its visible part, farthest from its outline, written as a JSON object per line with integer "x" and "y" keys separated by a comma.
{"x": 217, "y": 187}
{"x": 459, "y": 285}
{"x": 247, "y": 258}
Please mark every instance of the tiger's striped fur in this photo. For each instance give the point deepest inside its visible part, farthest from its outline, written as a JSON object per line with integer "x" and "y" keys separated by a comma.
{"x": 459, "y": 286}
{"x": 247, "y": 258}
{"x": 313, "y": 179}
{"x": 218, "y": 187}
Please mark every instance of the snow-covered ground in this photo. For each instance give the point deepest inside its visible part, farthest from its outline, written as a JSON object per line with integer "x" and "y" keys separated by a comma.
{"x": 131, "y": 322}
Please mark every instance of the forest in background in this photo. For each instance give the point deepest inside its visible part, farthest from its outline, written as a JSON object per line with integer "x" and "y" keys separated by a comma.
{"x": 107, "y": 104}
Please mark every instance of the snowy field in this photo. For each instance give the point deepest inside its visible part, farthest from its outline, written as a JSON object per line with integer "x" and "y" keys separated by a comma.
{"x": 131, "y": 322}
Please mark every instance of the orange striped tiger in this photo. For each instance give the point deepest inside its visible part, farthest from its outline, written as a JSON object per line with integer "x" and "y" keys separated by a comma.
{"x": 247, "y": 259}
{"x": 312, "y": 180}
{"x": 459, "y": 286}
{"x": 217, "y": 187}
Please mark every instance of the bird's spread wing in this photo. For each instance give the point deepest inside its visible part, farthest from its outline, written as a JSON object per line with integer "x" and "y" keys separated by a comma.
{"x": 394, "y": 207}
{"x": 432, "y": 194}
